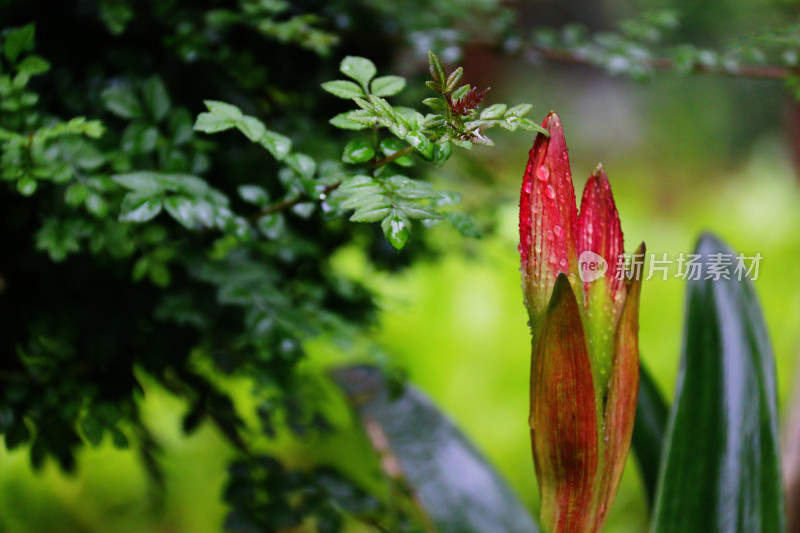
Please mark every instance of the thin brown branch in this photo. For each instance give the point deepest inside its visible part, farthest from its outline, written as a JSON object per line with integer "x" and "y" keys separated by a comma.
{"x": 291, "y": 202}
{"x": 389, "y": 158}
{"x": 763, "y": 72}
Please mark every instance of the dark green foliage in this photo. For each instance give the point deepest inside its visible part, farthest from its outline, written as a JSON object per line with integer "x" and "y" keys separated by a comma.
{"x": 720, "y": 468}
{"x": 648, "y": 431}
{"x": 138, "y": 247}
{"x": 267, "y": 497}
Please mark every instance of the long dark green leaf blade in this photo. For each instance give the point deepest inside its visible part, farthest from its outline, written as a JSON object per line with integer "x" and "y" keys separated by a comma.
{"x": 457, "y": 488}
{"x": 648, "y": 431}
{"x": 721, "y": 464}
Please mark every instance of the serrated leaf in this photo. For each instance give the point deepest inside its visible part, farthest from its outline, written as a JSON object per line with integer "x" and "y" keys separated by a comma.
{"x": 436, "y": 68}
{"x": 411, "y": 189}
{"x": 463, "y": 223}
{"x": 721, "y": 466}
{"x": 181, "y": 209}
{"x": 396, "y": 228}
{"x": 460, "y": 92}
{"x": 148, "y": 139}
{"x": 33, "y": 65}
{"x": 455, "y": 485}
{"x": 418, "y": 212}
{"x": 493, "y": 111}
{"x": 358, "y": 68}
{"x": 142, "y": 182}
{"x": 442, "y": 151}
{"x": 302, "y": 164}
{"x": 454, "y": 78}
{"x": 156, "y": 98}
{"x": 76, "y": 194}
{"x": 387, "y": 85}
{"x": 211, "y": 123}
{"x": 529, "y": 125}
{"x": 370, "y": 214}
{"x": 304, "y": 209}
{"x": 18, "y": 40}
{"x": 277, "y": 144}
{"x": 356, "y": 183}
{"x": 272, "y": 226}
{"x": 342, "y": 121}
{"x": 434, "y": 86}
{"x": 27, "y": 186}
{"x": 120, "y": 100}
{"x": 357, "y": 151}
{"x": 362, "y": 116}
{"x": 519, "y": 110}
{"x": 223, "y": 109}
{"x": 446, "y": 198}
{"x": 343, "y": 89}
{"x": 139, "y": 208}
{"x": 253, "y": 194}
{"x": 421, "y": 144}
{"x": 252, "y": 128}
{"x": 366, "y": 199}
{"x": 437, "y": 104}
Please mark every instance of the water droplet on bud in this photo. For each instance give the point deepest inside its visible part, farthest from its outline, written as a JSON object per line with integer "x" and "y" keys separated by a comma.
{"x": 543, "y": 173}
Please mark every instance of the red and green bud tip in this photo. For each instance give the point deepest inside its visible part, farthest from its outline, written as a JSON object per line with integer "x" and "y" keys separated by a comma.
{"x": 585, "y": 322}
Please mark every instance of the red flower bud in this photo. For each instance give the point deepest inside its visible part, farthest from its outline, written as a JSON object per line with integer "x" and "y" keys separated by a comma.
{"x": 584, "y": 316}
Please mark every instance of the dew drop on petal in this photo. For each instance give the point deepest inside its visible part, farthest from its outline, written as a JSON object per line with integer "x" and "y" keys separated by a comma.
{"x": 549, "y": 235}
{"x": 563, "y": 263}
{"x": 528, "y": 187}
{"x": 551, "y": 193}
{"x": 528, "y": 240}
{"x": 520, "y": 248}
{"x": 558, "y": 230}
{"x": 538, "y": 248}
{"x": 553, "y": 259}
{"x": 543, "y": 173}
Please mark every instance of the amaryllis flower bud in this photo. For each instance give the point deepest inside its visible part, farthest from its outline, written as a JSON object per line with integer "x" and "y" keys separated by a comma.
{"x": 584, "y": 318}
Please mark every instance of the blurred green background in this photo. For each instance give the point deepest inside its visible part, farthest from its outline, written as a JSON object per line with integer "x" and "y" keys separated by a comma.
{"x": 684, "y": 155}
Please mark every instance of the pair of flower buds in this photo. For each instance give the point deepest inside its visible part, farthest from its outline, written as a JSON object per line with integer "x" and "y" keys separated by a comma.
{"x": 585, "y": 355}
